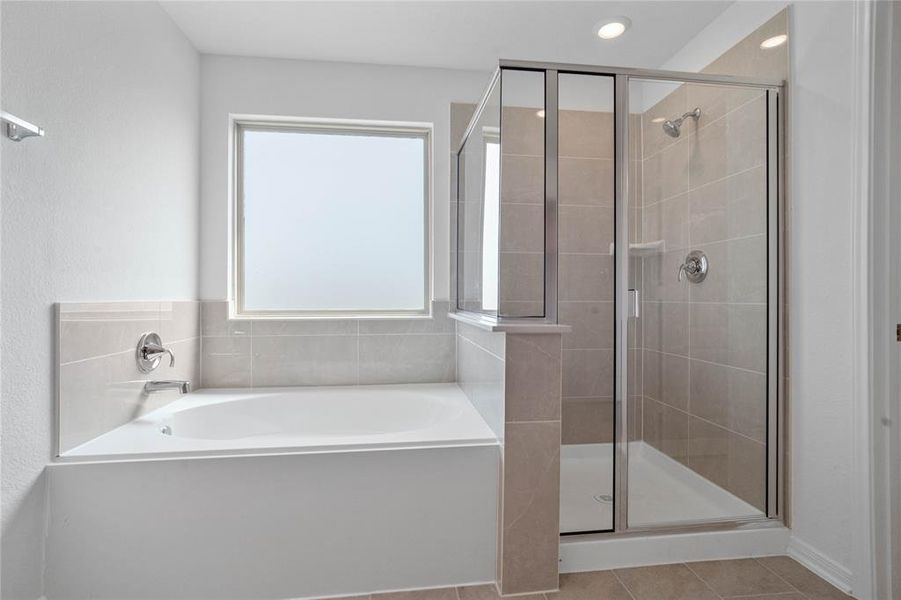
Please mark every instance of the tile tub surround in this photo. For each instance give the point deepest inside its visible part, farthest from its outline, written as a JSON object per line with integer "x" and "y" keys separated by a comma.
{"x": 99, "y": 384}
{"x": 766, "y": 578}
{"x": 267, "y": 353}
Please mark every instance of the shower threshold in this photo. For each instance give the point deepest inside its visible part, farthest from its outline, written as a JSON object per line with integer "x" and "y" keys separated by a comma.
{"x": 662, "y": 491}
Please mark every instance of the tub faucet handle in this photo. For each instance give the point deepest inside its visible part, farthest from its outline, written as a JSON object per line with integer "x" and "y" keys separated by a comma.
{"x": 150, "y": 351}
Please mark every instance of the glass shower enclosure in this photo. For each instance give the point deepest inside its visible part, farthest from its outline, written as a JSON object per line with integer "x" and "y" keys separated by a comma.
{"x": 643, "y": 210}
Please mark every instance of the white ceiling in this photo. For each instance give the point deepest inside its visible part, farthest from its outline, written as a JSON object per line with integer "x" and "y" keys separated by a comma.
{"x": 458, "y": 35}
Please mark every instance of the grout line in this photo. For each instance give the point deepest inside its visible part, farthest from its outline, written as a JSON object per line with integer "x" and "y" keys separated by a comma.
{"x": 780, "y": 577}
{"x": 708, "y": 421}
{"x": 624, "y": 586}
{"x": 706, "y": 362}
{"x": 702, "y": 186}
{"x": 702, "y": 580}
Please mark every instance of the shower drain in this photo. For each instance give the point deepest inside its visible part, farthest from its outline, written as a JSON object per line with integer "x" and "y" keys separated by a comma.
{"x": 603, "y": 498}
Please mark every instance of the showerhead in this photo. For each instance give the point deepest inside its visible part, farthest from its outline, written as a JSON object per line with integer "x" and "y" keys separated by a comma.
{"x": 673, "y": 128}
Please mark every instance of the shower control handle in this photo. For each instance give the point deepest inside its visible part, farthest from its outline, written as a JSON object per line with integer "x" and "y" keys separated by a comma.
{"x": 694, "y": 268}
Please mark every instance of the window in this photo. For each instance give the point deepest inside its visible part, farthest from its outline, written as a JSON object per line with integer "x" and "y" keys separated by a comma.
{"x": 332, "y": 219}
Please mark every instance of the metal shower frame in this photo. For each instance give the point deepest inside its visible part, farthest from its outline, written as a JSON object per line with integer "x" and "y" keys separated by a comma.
{"x": 775, "y": 170}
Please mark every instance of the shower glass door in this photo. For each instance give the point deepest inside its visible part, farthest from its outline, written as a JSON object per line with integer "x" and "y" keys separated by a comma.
{"x": 586, "y": 299}
{"x": 699, "y": 372}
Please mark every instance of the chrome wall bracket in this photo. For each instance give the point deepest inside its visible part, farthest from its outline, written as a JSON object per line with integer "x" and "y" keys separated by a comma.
{"x": 18, "y": 129}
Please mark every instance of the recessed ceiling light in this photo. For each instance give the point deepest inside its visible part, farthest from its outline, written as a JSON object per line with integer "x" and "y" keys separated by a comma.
{"x": 658, "y": 120}
{"x": 540, "y": 114}
{"x": 612, "y": 28}
{"x": 776, "y": 40}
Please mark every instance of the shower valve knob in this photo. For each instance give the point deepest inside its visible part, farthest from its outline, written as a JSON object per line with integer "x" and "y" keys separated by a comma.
{"x": 694, "y": 268}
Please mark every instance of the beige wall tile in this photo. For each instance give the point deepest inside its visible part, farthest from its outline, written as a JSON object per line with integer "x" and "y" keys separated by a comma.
{"x": 732, "y": 398}
{"x": 737, "y": 272}
{"x": 522, "y": 228}
{"x": 730, "y": 334}
{"x": 439, "y": 322}
{"x": 585, "y": 181}
{"x": 522, "y": 131}
{"x": 521, "y": 277}
{"x": 304, "y": 360}
{"x": 179, "y": 321}
{"x": 588, "y": 421}
{"x": 533, "y": 377}
{"x": 730, "y": 208}
{"x": 214, "y": 320}
{"x": 730, "y": 460}
{"x": 666, "y": 429}
{"x": 480, "y": 374}
{"x": 427, "y": 358}
{"x": 672, "y": 106}
{"x": 586, "y": 134}
{"x": 661, "y": 277}
{"x": 522, "y": 179}
{"x": 592, "y": 324}
{"x": 665, "y": 174}
{"x": 667, "y": 220}
{"x": 666, "y": 379}
{"x": 588, "y": 373}
{"x": 89, "y": 330}
{"x": 225, "y": 362}
{"x": 585, "y": 229}
{"x": 666, "y": 326}
{"x": 531, "y": 515}
{"x": 585, "y": 277}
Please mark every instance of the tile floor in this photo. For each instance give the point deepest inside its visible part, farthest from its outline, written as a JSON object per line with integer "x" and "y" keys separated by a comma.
{"x": 770, "y": 578}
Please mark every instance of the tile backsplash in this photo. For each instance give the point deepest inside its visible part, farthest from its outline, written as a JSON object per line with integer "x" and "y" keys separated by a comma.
{"x": 266, "y": 352}
{"x": 100, "y": 386}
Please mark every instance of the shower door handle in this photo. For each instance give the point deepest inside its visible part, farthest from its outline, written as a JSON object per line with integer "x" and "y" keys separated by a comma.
{"x": 634, "y": 303}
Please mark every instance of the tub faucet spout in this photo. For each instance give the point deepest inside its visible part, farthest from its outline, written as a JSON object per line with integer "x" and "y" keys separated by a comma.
{"x": 155, "y": 386}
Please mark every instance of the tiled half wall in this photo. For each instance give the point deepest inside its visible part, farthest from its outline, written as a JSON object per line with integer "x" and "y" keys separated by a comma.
{"x": 100, "y": 386}
{"x": 514, "y": 380}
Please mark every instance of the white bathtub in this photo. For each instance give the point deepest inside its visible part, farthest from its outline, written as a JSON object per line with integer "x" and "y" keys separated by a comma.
{"x": 210, "y": 422}
{"x": 283, "y": 493}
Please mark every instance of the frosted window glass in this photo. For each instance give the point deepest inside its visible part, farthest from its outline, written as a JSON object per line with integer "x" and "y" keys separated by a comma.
{"x": 334, "y": 221}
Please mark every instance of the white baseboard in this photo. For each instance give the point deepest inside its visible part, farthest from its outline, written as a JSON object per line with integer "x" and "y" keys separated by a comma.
{"x": 820, "y": 564}
{"x": 599, "y": 553}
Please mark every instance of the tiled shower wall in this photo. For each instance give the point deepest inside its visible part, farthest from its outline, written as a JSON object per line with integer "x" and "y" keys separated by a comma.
{"x": 705, "y": 345}
{"x": 100, "y": 386}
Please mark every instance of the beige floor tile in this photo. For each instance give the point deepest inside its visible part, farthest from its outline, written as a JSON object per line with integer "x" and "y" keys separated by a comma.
{"x": 489, "y": 592}
{"x": 435, "y": 594}
{"x": 664, "y": 582}
{"x": 784, "y": 596}
{"x": 596, "y": 585}
{"x": 804, "y": 580}
{"x": 746, "y": 577}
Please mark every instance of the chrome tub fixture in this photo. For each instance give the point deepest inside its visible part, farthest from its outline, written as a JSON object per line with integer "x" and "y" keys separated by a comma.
{"x": 149, "y": 352}
{"x": 175, "y": 384}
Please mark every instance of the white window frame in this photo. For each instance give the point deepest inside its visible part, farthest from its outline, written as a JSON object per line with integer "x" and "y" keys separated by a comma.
{"x": 240, "y": 123}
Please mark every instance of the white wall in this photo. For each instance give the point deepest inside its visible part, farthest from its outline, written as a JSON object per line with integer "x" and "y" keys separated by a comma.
{"x": 105, "y": 207}
{"x": 323, "y": 90}
{"x": 821, "y": 334}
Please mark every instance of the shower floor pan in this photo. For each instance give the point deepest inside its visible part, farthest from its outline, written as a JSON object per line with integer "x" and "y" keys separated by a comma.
{"x": 662, "y": 491}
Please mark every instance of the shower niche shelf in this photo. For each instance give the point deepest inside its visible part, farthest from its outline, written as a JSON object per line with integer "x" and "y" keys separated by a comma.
{"x": 643, "y": 249}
